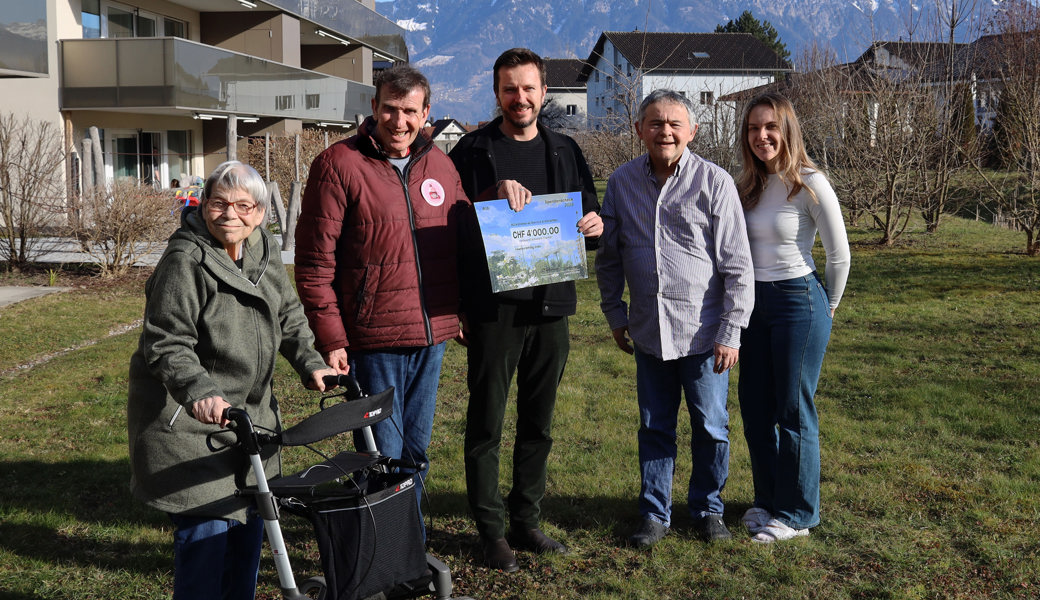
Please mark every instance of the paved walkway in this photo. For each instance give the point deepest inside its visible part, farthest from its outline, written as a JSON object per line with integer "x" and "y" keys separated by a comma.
{"x": 12, "y": 294}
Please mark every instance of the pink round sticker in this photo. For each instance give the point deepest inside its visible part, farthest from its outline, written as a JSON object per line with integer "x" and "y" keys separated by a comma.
{"x": 432, "y": 192}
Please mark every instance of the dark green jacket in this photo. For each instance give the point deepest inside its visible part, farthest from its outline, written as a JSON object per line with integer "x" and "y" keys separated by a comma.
{"x": 209, "y": 330}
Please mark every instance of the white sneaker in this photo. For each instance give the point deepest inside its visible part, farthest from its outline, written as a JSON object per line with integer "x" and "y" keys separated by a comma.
{"x": 774, "y": 531}
{"x": 755, "y": 518}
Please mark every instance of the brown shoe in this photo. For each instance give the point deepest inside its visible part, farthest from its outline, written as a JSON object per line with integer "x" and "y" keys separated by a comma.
{"x": 534, "y": 540}
{"x": 498, "y": 555}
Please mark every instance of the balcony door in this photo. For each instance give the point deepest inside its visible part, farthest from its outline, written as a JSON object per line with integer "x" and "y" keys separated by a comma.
{"x": 126, "y": 21}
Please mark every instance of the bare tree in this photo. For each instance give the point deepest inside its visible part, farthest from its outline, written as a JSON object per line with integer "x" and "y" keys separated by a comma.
{"x": 31, "y": 189}
{"x": 290, "y": 157}
{"x": 1017, "y": 128}
{"x": 123, "y": 222}
{"x": 954, "y": 145}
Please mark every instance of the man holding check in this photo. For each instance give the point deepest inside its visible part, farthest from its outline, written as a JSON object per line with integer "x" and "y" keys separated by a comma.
{"x": 518, "y": 331}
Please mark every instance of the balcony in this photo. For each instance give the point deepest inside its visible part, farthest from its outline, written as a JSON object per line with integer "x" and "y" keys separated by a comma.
{"x": 353, "y": 21}
{"x": 176, "y": 76}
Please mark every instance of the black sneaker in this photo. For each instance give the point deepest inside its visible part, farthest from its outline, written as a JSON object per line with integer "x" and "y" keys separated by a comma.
{"x": 649, "y": 533}
{"x": 711, "y": 528}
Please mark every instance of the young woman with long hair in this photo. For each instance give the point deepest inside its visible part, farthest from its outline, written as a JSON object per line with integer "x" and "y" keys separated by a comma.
{"x": 786, "y": 200}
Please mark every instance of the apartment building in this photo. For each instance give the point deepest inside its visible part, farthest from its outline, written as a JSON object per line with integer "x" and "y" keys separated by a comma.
{"x": 167, "y": 83}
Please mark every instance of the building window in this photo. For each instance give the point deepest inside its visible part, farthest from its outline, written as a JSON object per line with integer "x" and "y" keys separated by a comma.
{"x": 572, "y": 109}
{"x": 91, "y": 19}
{"x": 597, "y": 76}
{"x": 707, "y": 98}
{"x": 312, "y": 100}
{"x": 175, "y": 28}
{"x": 284, "y": 102}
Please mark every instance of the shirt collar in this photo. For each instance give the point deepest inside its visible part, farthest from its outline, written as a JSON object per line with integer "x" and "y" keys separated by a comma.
{"x": 684, "y": 160}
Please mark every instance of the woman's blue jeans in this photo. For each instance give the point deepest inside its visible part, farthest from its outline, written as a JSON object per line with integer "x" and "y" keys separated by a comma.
{"x": 216, "y": 559}
{"x": 659, "y": 384}
{"x": 781, "y": 354}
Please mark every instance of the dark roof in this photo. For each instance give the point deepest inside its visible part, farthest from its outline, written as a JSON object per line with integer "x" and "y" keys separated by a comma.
{"x": 689, "y": 52}
{"x": 440, "y": 125}
{"x": 849, "y": 78}
{"x": 915, "y": 54}
{"x": 564, "y": 72}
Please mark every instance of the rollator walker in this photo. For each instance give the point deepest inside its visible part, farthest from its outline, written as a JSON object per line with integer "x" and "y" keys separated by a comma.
{"x": 361, "y": 504}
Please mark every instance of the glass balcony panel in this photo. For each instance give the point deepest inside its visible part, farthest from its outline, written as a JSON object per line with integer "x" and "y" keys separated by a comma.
{"x": 181, "y": 74}
{"x": 143, "y": 66}
{"x": 353, "y": 20}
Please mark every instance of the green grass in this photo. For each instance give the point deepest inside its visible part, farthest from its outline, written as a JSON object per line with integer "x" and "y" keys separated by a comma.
{"x": 929, "y": 423}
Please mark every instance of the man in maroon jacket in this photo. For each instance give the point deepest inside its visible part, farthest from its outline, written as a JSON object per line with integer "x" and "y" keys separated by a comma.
{"x": 376, "y": 258}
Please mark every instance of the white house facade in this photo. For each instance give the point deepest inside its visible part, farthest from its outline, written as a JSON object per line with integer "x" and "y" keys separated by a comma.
{"x": 624, "y": 68}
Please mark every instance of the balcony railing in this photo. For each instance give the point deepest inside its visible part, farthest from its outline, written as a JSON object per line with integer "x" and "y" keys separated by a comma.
{"x": 354, "y": 21}
{"x": 177, "y": 75}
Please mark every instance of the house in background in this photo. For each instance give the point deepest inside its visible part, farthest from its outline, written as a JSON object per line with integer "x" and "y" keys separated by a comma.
{"x": 168, "y": 82}
{"x": 446, "y": 133}
{"x": 624, "y": 67}
{"x": 566, "y": 100}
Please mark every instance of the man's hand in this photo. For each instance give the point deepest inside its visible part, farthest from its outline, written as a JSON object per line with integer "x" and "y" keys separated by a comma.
{"x": 621, "y": 339}
{"x": 210, "y": 411}
{"x": 337, "y": 359}
{"x": 591, "y": 225}
{"x": 725, "y": 358}
{"x": 462, "y": 337}
{"x": 517, "y": 195}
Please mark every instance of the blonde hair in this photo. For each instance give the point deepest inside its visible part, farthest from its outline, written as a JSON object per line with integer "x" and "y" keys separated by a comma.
{"x": 791, "y": 159}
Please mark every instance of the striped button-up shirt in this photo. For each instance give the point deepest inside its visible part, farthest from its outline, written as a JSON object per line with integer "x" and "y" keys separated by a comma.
{"x": 683, "y": 251}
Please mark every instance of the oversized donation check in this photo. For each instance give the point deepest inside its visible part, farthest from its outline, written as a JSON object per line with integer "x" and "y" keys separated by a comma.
{"x": 538, "y": 245}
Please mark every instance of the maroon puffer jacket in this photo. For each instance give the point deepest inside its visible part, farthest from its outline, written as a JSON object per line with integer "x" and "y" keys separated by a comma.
{"x": 376, "y": 260}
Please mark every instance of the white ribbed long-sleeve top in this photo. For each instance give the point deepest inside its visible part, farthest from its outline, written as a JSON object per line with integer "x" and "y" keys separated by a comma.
{"x": 782, "y": 234}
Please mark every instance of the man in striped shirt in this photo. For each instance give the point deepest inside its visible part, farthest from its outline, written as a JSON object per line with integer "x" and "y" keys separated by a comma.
{"x": 674, "y": 232}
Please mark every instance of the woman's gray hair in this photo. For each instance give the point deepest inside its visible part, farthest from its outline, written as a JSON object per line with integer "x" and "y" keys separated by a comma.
{"x": 235, "y": 175}
{"x": 666, "y": 95}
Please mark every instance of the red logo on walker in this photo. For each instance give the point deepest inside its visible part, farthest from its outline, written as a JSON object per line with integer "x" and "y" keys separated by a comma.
{"x": 373, "y": 413}
{"x": 432, "y": 192}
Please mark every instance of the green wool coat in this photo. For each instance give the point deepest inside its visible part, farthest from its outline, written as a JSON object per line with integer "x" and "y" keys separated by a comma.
{"x": 210, "y": 329}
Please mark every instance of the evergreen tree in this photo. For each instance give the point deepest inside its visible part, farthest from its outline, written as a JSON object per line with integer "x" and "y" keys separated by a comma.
{"x": 763, "y": 30}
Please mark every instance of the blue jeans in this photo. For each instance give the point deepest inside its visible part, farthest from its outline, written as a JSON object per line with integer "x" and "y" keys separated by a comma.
{"x": 216, "y": 559}
{"x": 414, "y": 373}
{"x": 780, "y": 358}
{"x": 658, "y": 384}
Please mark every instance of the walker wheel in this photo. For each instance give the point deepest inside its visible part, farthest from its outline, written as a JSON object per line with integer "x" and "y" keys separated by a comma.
{"x": 313, "y": 587}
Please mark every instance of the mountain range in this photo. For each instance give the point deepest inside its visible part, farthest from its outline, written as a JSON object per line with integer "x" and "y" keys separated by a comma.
{"x": 455, "y": 42}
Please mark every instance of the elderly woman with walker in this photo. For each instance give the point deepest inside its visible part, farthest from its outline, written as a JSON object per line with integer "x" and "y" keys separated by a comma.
{"x": 219, "y": 308}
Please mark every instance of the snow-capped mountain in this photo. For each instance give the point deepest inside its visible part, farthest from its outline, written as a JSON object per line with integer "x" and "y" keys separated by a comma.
{"x": 455, "y": 42}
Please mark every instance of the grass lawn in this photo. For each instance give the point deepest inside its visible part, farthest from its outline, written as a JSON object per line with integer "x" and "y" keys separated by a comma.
{"x": 929, "y": 411}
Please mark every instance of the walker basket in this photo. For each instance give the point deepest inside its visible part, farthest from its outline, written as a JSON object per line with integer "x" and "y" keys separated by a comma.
{"x": 370, "y": 541}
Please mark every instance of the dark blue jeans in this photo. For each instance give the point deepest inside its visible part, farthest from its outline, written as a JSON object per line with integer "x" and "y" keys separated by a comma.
{"x": 216, "y": 559}
{"x": 414, "y": 373}
{"x": 659, "y": 385}
{"x": 780, "y": 359}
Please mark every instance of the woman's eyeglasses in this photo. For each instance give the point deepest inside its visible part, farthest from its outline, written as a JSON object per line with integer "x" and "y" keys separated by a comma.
{"x": 243, "y": 208}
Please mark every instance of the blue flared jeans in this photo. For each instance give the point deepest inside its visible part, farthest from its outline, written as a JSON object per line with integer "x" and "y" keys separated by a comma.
{"x": 781, "y": 354}
{"x": 659, "y": 385}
